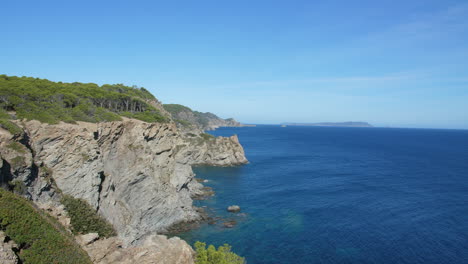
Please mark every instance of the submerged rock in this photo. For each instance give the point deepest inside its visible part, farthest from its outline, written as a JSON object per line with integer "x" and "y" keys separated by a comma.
{"x": 230, "y": 224}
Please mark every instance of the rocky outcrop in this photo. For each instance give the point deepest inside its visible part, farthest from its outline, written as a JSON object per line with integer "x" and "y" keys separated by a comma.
{"x": 189, "y": 120}
{"x": 154, "y": 249}
{"x": 137, "y": 175}
{"x": 7, "y": 254}
{"x": 214, "y": 151}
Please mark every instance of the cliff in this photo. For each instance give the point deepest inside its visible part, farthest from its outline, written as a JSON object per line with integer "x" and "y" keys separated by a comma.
{"x": 188, "y": 119}
{"x": 137, "y": 175}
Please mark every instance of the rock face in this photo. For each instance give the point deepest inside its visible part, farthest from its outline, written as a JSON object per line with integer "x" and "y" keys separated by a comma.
{"x": 137, "y": 175}
{"x": 7, "y": 255}
{"x": 219, "y": 151}
{"x": 189, "y": 119}
{"x": 155, "y": 249}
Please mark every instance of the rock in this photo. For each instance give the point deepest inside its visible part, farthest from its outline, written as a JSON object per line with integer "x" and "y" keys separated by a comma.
{"x": 87, "y": 239}
{"x": 230, "y": 224}
{"x": 137, "y": 175}
{"x": 154, "y": 249}
{"x": 7, "y": 255}
{"x": 233, "y": 208}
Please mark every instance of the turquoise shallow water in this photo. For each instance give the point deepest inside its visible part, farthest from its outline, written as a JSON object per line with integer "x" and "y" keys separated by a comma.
{"x": 343, "y": 195}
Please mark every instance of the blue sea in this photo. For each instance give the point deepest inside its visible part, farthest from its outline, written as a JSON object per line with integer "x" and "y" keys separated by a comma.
{"x": 342, "y": 195}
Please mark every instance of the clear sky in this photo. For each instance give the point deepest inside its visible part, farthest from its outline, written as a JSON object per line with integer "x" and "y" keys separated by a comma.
{"x": 391, "y": 63}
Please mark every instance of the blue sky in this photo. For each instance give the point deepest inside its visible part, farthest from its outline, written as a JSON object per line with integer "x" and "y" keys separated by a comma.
{"x": 391, "y": 63}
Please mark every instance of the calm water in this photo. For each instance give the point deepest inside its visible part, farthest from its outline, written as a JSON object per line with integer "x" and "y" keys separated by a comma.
{"x": 343, "y": 195}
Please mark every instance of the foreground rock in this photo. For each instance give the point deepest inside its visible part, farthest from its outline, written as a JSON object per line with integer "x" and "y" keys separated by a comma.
{"x": 155, "y": 249}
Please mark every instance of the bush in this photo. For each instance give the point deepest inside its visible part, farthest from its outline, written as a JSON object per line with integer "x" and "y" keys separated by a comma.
{"x": 212, "y": 256}
{"x": 42, "y": 239}
{"x": 18, "y": 187}
{"x": 207, "y": 136}
{"x": 84, "y": 219}
{"x": 10, "y": 126}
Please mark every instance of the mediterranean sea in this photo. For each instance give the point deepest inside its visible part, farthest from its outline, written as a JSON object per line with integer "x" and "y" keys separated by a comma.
{"x": 342, "y": 195}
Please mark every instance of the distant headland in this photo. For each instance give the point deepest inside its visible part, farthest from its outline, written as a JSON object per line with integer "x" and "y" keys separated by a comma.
{"x": 331, "y": 124}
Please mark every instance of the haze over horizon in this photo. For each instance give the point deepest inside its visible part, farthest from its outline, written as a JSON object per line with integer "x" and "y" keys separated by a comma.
{"x": 389, "y": 63}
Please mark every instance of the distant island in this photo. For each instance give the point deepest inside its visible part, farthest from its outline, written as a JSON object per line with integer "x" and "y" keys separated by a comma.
{"x": 331, "y": 124}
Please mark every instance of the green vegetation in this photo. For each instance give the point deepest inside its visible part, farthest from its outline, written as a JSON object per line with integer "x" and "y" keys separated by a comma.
{"x": 17, "y": 161}
{"x": 175, "y": 109}
{"x": 198, "y": 117}
{"x": 10, "y": 126}
{"x": 207, "y": 136}
{"x": 16, "y": 147}
{"x": 84, "y": 219}
{"x": 18, "y": 187}
{"x": 51, "y": 102}
{"x": 212, "y": 256}
{"x": 42, "y": 239}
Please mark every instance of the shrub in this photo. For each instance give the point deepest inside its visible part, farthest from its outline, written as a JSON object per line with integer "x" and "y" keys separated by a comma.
{"x": 207, "y": 136}
{"x": 212, "y": 256}
{"x": 43, "y": 239}
{"x": 18, "y": 187}
{"x": 84, "y": 219}
{"x": 10, "y": 126}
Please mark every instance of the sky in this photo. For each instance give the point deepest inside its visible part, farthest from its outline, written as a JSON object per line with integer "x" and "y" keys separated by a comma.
{"x": 391, "y": 63}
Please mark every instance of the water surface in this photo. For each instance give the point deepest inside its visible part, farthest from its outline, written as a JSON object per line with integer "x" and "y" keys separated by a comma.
{"x": 343, "y": 195}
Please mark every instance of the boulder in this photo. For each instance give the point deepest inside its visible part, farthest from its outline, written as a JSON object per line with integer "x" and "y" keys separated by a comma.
{"x": 233, "y": 208}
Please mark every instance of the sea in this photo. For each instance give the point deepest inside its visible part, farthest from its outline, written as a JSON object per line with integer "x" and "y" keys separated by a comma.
{"x": 341, "y": 195}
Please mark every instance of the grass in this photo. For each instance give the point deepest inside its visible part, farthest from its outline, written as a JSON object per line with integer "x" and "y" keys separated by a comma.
{"x": 42, "y": 239}
{"x": 84, "y": 219}
{"x": 16, "y": 147}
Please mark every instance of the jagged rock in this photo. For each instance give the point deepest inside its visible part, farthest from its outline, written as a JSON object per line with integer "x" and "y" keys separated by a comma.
{"x": 7, "y": 255}
{"x": 87, "y": 239}
{"x": 233, "y": 208}
{"x": 155, "y": 249}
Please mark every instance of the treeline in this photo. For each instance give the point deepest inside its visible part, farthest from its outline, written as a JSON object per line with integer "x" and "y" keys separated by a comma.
{"x": 51, "y": 102}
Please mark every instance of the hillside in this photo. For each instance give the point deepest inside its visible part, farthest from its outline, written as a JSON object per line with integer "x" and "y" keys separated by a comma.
{"x": 50, "y": 102}
{"x": 188, "y": 118}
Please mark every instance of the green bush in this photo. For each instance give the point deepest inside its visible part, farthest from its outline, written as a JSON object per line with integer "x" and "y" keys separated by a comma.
{"x": 18, "y": 187}
{"x": 207, "y": 136}
{"x": 43, "y": 239}
{"x": 84, "y": 219}
{"x": 10, "y": 126}
{"x": 212, "y": 256}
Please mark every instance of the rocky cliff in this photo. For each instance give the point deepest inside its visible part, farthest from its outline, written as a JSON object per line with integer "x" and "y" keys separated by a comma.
{"x": 137, "y": 175}
{"x": 187, "y": 119}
